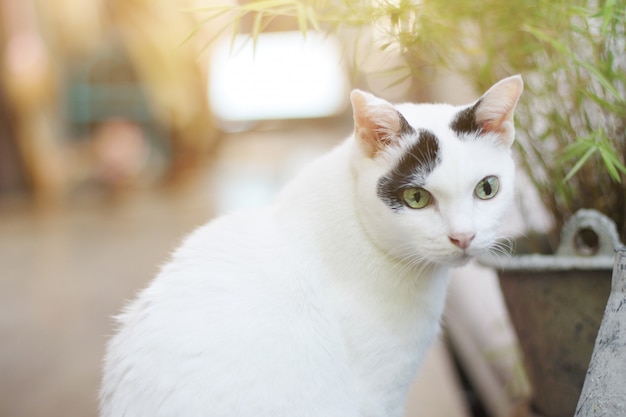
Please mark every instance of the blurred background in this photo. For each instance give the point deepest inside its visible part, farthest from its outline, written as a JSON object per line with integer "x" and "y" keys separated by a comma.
{"x": 124, "y": 124}
{"x": 115, "y": 142}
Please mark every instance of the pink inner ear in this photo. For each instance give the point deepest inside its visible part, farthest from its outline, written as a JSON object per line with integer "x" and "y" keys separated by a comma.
{"x": 497, "y": 106}
{"x": 376, "y": 122}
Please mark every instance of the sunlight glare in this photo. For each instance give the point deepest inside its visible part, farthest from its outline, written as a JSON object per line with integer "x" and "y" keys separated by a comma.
{"x": 284, "y": 76}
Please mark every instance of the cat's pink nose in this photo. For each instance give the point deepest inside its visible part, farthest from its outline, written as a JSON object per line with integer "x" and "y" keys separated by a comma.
{"x": 462, "y": 240}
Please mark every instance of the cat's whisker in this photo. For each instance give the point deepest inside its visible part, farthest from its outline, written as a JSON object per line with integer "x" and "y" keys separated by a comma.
{"x": 410, "y": 260}
{"x": 406, "y": 251}
{"x": 506, "y": 243}
{"x": 502, "y": 247}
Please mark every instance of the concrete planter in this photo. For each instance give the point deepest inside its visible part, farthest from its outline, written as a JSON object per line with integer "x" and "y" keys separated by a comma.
{"x": 556, "y": 303}
{"x": 603, "y": 393}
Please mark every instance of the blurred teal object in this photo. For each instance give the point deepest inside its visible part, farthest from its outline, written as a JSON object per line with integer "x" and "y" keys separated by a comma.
{"x": 104, "y": 87}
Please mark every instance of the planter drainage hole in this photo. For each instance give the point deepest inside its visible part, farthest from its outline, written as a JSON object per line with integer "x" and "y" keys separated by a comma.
{"x": 586, "y": 242}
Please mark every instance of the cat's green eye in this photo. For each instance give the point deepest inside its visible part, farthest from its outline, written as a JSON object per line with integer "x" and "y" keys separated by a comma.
{"x": 416, "y": 197}
{"x": 487, "y": 188}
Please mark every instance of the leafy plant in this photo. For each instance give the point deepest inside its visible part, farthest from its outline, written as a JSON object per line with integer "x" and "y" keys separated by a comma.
{"x": 571, "y": 122}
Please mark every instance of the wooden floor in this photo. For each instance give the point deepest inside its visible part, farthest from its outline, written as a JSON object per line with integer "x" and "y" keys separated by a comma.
{"x": 65, "y": 273}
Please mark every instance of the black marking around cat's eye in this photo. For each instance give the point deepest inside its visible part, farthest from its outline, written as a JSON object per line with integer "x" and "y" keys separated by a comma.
{"x": 465, "y": 122}
{"x": 418, "y": 161}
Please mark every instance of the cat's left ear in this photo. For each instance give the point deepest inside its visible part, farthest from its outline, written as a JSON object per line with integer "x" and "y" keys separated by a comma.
{"x": 495, "y": 110}
{"x": 377, "y": 123}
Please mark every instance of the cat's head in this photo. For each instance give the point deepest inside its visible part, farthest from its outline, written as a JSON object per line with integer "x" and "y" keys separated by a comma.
{"x": 435, "y": 181}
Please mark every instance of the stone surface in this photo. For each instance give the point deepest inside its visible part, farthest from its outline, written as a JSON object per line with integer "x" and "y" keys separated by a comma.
{"x": 604, "y": 394}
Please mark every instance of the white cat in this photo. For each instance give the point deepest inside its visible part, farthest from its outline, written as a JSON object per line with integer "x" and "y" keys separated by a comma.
{"x": 323, "y": 303}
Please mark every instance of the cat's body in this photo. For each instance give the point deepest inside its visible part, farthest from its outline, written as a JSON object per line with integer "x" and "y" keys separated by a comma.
{"x": 323, "y": 303}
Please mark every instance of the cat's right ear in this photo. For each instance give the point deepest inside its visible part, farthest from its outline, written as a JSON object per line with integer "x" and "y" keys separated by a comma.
{"x": 377, "y": 123}
{"x": 495, "y": 109}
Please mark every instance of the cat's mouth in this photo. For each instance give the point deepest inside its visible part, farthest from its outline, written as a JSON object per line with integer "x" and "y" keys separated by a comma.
{"x": 456, "y": 259}
{"x": 460, "y": 259}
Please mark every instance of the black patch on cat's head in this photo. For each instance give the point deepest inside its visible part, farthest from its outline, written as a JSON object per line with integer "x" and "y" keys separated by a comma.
{"x": 418, "y": 161}
{"x": 465, "y": 122}
{"x": 405, "y": 127}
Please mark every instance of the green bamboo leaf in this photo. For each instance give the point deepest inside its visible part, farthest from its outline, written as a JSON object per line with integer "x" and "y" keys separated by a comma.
{"x": 200, "y": 24}
{"x": 608, "y": 10}
{"x": 612, "y": 156}
{"x": 608, "y": 164}
{"x": 593, "y": 71}
{"x": 256, "y": 24}
{"x": 582, "y": 11}
{"x": 208, "y": 43}
{"x": 611, "y": 162}
{"x": 207, "y": 8}
{"x": 576, "y": 149}
{"x": 545, "y": 37}
{"x": 301, "y": 13}
{"x": 399, "y": 80}
{"x": 256, "y": 29}
{"x": 606, "y": 105}
{"x": 191, "y": 34}
{"x": 313, "y": 19}
{"x": 621, "y": 167}
{"x": 580, "y": 163}
{"x": 601, "y": 79}
{"x": 266, "y": 5}
{"x": 235, "y": 31}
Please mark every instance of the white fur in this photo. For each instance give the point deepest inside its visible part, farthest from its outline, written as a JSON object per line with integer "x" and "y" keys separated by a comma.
{"x": 322, "y": 304}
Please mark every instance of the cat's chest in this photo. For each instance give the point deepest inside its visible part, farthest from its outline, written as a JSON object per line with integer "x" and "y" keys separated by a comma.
{"x": 396, "y": 317}
{"x": 386, "y": 331}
